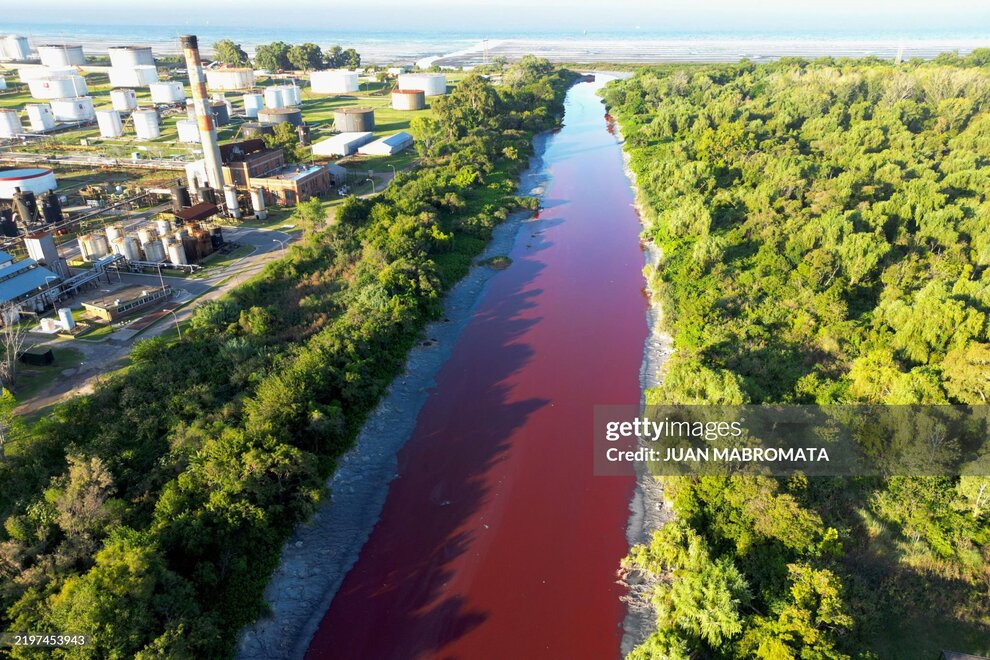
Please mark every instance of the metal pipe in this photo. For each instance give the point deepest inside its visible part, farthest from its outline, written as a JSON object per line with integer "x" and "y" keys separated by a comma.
{"x": 204, "y": 114}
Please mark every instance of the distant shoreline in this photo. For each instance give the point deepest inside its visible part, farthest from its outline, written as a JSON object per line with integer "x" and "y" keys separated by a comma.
{"x": 457, "y": 50}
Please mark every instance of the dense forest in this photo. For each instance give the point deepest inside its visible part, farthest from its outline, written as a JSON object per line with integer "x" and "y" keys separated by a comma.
{"x": 825, "y": 236}
{"x": 151, "y": 513}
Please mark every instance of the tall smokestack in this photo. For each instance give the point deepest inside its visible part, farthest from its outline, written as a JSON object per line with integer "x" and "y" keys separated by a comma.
{"x": 204, "y": 116}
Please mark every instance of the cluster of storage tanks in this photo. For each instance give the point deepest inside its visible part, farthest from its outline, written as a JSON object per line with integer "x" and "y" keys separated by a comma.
{"x": 155, "y": 242}
{"x": 14, "y": 48}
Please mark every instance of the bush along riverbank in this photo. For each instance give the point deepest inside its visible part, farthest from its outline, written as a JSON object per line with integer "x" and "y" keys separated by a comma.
{"x": 823, "y": 237}
{"x": 151, "y": 513}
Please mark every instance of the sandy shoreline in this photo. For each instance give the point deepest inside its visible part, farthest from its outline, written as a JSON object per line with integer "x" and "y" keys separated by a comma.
{"x": 319, "y": 554}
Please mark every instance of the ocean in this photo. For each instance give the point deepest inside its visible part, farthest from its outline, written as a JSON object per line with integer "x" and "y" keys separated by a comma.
{"x": 467, "y": 47}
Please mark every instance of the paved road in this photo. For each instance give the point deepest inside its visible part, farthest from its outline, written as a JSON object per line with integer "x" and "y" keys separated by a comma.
{"x": 102, "y": 357}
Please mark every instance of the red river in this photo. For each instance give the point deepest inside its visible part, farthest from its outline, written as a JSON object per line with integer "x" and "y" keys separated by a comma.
{"x": 496, "y": 539}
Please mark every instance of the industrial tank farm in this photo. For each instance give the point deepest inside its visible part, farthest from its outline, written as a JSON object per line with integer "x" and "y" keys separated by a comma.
{"x": 408, "y": 99}
{"x": 354, "y": 119}
{"x": 61, "y": 55}
{"x": 128, "y": 57}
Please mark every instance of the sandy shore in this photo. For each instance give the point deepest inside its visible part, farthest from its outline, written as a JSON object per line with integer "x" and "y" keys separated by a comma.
{"x": 322, "y": 551}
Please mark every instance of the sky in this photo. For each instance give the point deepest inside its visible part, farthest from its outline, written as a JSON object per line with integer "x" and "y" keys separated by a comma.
{"x": 521, "y": 15}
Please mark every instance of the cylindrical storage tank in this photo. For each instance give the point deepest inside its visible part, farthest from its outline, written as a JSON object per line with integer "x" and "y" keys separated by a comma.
{"x": 273, "y": 116}
{"x": 3, "y": 83}
{"x": 408, "y": 99}
{"x": 230, "y": 199}
{"x": 288, "y": 93}
{"x": 167, "y": 93}
{"x": 65, "y": 316}
{"x": 146, "y": 124}
{"x": 253, "y": 103}
{"x": 37, "y": 180}
{"x": 254, "y": 129}
{"x": 127, "y": 246}
{"x": 40, "y": 116}
{"x": 85, "y": 241}
{"x": 123, "y": 99}
{"x": 10, "y": 123}
{"x": 75, "y": 109}
{"x": 153, "y": 251}
{"x": 58, "y": 87}
{"x": 110, "y": 123}
{"x": 16, "y": 47}
{"x": 99, "y": 247}
{"x": 204, "y": 243}
{"x": 128, "y": 57}
{"x": 349, "y": 120}
{"x": 273, "y": 98}
{"x": 174, "y": 252}
{"x": 147, "y": 234}
{"x": 61, "y": 55}
{"x": 163, "y": 227}
{"x": 221, "y": 116}
{"x": 258, "y": 203}
{"x": 136, "y": 76}
{"x": 432, "y": 84}
{"x": 334, "y": 82}
{"x": 296, "y": 95}
{"x": 230, "y": 79}
{"x": 188, "y": 130}
{"x": 114, "y": 232}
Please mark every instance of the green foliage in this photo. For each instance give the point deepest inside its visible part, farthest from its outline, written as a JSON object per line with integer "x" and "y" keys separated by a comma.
{"x": 272, "y": 57}
{"x": 229, "y": 53}
{"x": 824, "y": 240}
{"x": 306, "y": 57}
{"x": 337, "y": 58}
{"x": 286, "y": 138}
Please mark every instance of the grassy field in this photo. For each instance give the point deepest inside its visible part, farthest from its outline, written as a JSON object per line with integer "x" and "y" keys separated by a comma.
{"x": 33, "y": 379}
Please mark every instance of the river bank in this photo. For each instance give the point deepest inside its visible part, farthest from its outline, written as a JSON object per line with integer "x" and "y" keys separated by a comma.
{"x": 648, "y": 508}
{"x": 321, "y": 552}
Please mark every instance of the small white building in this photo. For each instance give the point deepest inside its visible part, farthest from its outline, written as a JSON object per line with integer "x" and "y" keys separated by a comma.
{"x": 387, "y": 146}
{"x": 343, "y": 144}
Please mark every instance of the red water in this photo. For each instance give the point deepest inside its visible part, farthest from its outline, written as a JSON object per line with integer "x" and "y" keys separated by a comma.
{"x": 496, "y": 540}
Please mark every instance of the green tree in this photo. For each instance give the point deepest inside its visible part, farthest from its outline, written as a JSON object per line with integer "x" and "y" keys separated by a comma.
{"x": 305, "y": 57}
{"x": 230, "y": 53}
{"x": 272, "y": 57}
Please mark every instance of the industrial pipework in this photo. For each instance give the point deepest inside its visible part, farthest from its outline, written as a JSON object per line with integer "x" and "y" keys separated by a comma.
{"x": 204, "y": 113}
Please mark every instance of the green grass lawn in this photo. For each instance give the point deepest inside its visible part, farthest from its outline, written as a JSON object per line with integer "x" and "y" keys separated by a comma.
{"x": 33, "y": 379}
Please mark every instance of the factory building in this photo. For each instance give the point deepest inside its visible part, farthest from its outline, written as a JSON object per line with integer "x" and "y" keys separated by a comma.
{"x": 125, "y": 302}
{"x": 343, "y": 144}
{"x": 432, "y": 84}
{"x": 354, "y": 120}
{"x": 128, "y": 57}
{"x": 229, "y": 80}
{"x": 387, "y": 146}
{"x": 337, "y": 81}
{"x": 61, "y": 55}
{"x": 22, "y": 280}
{"x": 41, "y": 247}
{"x": 408, "y": 99}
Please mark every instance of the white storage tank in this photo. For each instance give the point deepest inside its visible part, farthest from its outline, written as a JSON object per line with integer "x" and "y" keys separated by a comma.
{"x": 274, "y": 98}
{"x": 16, "y": 48}
{"x": 61, "y": 55}
{"x": 253, "y": 103}
{"x": 432, "y": 84}
{"x": 153, "y": 251}
{"x": 3, "y": 83}
{"x": 230, "y": 201}
{"x": 230, "y": 79}
{"x": 65, "y": 316}
{"x": 137, "y": 76}
{"x": 37, "y": 180}
{"x": 147, "y": 234}
{"x": 258, "y": 203}
{"x": 40, "y": 116}
{"x": 128, "y": 57}
{"x": 337, "y": 81}
{"x": 146, "y": 124}
{"x": 74, "y": 109}
{"x": 188, "y": 130}
{"x": 58, "y": 87}
{"x": 10, "y": 123}
{"x": 175, "y": 252}
{"x": 167, "y": 92}
{"x": 123, "y": 99}
{"x": 128, "y": 247}
{"x": 110, "y": 123}
{"x": 99, "y": 247}
{"x": 408, "y": 99}
{"x": 114, "y": 231}
{"x": 163, "y": 227}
